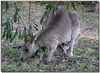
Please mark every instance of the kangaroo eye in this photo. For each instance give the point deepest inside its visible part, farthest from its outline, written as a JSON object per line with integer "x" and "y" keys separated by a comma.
{"x": 26, "y": 50}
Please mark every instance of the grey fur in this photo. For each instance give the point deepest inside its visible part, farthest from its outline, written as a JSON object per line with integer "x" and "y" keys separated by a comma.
{"x": 57, "y": 29}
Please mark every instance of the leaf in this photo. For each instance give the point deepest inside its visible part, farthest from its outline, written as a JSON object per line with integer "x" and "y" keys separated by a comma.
{"x": 67, "y": 5}
{"x": 24, "y": 33}
{"x": 9, "y": 30}
{"x": 15, "y": 16}
{"x": 14, "y": 36}
{"x": 6, "y": 36}
{"x": 74, "y": 6}
{"x": 25, "y": 37}
{"x": 9, "y": 35}
{"x": 45, "y": 14}
{"x": 19, "y": 35}
{"x": 55, "y": 10}
{"x": 30, "y": 29}
{"x": 12, "y": 27}
{"x": 47, "y": 11}
{"x": 41, "y": 21}
{"x": 5, "y": 5}
{"x": 49, "y": 6}
{"x": 4, "y": 24}
{"x": 5, "y": 28}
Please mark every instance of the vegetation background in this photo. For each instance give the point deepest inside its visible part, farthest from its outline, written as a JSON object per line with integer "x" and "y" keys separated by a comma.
{"x": 20, "y": 19}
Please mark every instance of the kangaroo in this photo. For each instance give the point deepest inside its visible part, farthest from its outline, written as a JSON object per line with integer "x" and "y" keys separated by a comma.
{"x": 62, "y": 28}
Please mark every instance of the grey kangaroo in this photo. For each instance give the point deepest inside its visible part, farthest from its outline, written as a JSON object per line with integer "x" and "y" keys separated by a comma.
{"x": 62, "y": 28}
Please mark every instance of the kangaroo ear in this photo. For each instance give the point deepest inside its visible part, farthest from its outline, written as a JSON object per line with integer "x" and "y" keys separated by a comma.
{"x": 32, "y": 38}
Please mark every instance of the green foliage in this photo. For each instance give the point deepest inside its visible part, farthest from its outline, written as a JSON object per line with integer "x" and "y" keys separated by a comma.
{"x": 23, "y": 34}
{"x": 51, "y": 6}
{"x": 4, "y": 5}
{"x": 71, "y": 4}
{"x": 7, "y": 30}
{"x": 30, "y": 29}
{"x": 19, "y": 35}
{"x": 8, "y": 33}
{"x": 15, "y": 16}
{"x": 14, "y": 36}
{"x": 11, "y": 52}
{"x": 7, "y": 26}
{"x": 48, "y": 8}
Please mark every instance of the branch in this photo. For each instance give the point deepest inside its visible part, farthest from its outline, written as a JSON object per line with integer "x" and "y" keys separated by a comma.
{"x": 29, "y": 11}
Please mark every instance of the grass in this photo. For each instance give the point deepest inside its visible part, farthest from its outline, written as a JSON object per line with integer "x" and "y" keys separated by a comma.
{"x": 89, "y": 62}
{"x": 86, "y": 47}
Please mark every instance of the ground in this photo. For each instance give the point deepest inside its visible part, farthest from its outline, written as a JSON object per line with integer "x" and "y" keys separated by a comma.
{"x": 86, "y": 46}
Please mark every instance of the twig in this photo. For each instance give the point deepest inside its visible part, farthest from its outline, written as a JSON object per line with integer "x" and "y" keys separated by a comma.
{"x": 29, "y": 11}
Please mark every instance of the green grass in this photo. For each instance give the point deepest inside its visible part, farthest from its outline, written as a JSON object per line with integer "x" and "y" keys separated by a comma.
{"x": 11, "y": 62}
